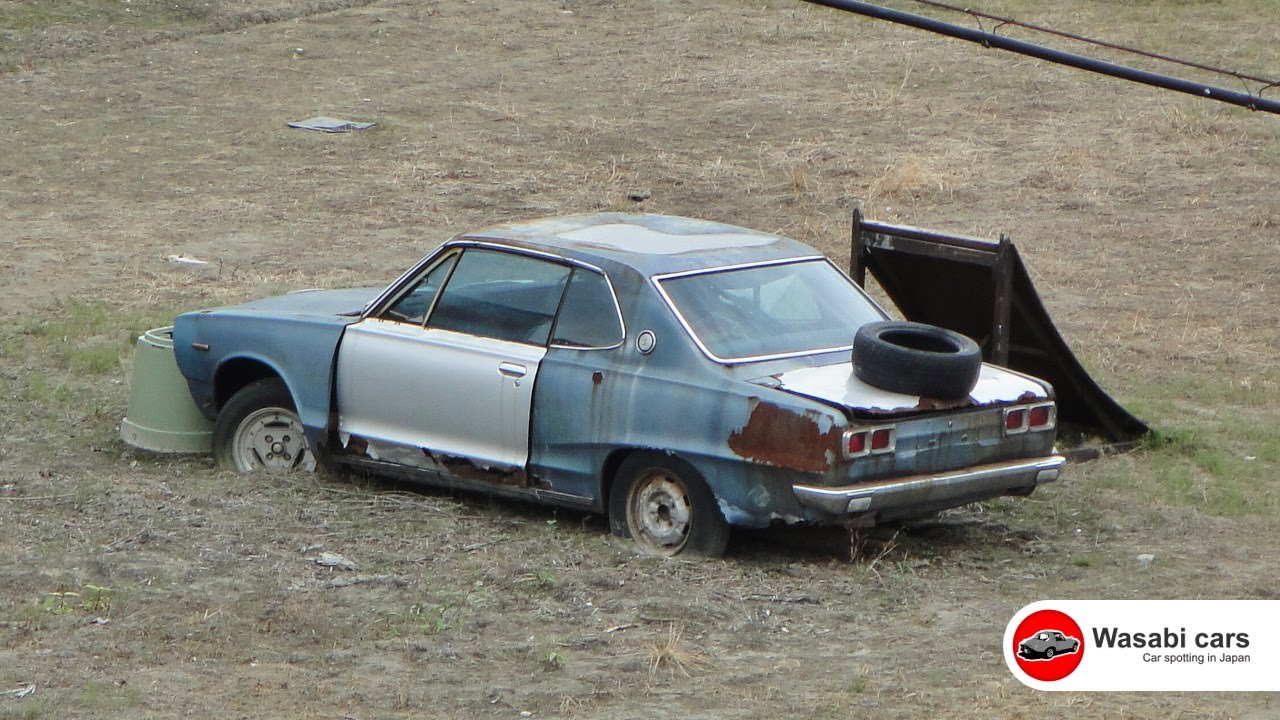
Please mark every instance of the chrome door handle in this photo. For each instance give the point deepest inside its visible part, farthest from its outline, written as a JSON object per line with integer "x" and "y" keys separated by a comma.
{"x": 512, "y": 370}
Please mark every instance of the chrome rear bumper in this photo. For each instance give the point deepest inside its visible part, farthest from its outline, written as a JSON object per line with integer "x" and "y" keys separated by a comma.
{"x": 901, "y": 496}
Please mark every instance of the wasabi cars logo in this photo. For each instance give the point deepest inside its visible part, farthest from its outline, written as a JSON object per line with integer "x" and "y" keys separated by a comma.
{"x": 1048, "y": 645}
{"x": 1146, "y": 645}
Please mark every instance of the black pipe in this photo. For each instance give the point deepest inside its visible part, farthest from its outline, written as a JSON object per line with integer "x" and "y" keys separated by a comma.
{"x": 986, "y": 39}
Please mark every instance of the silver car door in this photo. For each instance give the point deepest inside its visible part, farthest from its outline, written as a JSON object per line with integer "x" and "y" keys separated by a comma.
{"x": 461, "y": 387}
{"x": 450, "y": 393}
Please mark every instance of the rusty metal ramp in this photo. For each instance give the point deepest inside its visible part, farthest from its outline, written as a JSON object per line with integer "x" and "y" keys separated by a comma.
{"x": 982, "y": 289}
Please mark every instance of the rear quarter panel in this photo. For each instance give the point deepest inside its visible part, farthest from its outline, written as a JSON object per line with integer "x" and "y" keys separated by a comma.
{"x": 592, "y": 406}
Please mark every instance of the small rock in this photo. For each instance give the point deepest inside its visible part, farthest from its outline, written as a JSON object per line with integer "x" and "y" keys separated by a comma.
{"x": 184, "y": 260}
{"x": 334, "y": 560}
{"x": 1145, "y": 558}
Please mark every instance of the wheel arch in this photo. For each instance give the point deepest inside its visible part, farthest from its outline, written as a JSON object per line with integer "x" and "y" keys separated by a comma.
{"x": 609, "y": 472}
{"x": 702, "y": 524}
{"x": 746, "y": 493}
{"x": 235, "y": 374}
{"x": 615, "y": 459}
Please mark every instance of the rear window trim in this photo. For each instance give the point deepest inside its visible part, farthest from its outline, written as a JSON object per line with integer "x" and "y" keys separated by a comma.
{"x": 657, "y": 281}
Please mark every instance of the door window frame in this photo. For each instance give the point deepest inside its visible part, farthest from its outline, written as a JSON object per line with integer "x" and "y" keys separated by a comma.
{"x": 414, "y": 276}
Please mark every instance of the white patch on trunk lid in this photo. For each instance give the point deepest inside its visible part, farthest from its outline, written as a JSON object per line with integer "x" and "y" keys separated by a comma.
{"x": 837, "y": 384}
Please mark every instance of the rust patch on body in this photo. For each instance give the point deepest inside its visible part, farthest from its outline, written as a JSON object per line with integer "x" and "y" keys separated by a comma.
{"x": 463, "y": 468}
{"x": 942, "y": 404}
{"x": 356, "y": 445}
{"x": 468, "y": 469}
{"x": 782, "y": 437}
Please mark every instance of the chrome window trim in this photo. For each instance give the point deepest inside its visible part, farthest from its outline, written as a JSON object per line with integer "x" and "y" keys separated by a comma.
{"x": 657, "y": 280}
{"x": 396, "y": 289}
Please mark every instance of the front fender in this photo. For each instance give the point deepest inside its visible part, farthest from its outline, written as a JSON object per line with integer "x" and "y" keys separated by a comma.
{"x": 220, "y": 353}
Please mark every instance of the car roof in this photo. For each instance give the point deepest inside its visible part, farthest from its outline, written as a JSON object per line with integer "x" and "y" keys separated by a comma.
{"x": 647, "y": 243}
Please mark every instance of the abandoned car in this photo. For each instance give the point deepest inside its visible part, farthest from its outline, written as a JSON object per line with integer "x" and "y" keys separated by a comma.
{"x": 682, "y": 376}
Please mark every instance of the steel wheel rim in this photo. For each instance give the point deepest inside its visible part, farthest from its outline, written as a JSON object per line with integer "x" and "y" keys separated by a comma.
{"x": 271, "y": 439}
{"x": 660, "y": 513}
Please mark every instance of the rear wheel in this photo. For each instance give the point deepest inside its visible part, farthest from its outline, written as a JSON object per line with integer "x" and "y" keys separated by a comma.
{"x": 663, "y": 504}
{"x": 259, "y": 430}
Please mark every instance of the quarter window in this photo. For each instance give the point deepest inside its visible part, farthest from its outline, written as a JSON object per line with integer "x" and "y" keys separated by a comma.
{"x": 589, "y": 316}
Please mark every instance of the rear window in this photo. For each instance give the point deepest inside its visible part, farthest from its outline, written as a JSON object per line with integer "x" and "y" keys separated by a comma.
{"x": 769, "y": 311}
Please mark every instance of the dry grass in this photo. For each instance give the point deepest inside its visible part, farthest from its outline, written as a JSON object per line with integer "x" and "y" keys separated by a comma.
{"x": 673, "y": 656}
{"x": 1148, "y": 221}
{"x": 911, "y": 180}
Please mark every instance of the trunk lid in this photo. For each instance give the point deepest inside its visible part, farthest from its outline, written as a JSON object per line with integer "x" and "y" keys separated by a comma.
{"x": 837, "y": 385}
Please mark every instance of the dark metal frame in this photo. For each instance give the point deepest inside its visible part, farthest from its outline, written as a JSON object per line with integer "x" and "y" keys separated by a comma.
{"x": 1015, "y": 331}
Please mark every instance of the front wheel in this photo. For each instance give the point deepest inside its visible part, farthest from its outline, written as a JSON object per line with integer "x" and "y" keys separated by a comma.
{"x": 663, "y": 504}
{"x": 259, "y": 430}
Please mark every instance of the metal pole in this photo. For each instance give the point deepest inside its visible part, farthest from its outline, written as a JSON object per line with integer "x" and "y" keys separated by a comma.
{"x": 986, "y": 39}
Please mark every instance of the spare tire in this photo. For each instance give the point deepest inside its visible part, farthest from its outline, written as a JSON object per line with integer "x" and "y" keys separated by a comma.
{"x": 916, "y": 359}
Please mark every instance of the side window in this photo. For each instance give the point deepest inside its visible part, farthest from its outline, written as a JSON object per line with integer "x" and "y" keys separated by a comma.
{"x": 501, "y": 295}
{"x": 589, "y": 316}
{"x": 412, "y": 307}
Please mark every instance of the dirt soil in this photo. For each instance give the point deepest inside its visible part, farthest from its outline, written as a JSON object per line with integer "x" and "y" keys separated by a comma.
{"x": 1150, "y": 221}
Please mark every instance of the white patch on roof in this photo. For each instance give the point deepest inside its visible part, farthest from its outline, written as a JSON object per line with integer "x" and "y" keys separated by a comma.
{"x": 627, "y": 237}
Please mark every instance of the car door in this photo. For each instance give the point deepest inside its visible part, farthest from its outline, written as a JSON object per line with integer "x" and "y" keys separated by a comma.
{"x": 446, "y": 372}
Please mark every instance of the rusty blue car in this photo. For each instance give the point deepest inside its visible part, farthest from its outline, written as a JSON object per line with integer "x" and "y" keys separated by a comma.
{"x": 680, "y": 376}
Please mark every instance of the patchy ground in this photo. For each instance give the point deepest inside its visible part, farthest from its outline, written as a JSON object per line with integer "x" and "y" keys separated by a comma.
{"x": 1150, "y": 221}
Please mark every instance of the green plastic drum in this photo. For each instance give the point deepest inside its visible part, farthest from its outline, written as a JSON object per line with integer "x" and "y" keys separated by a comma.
{"x": 162, "y": 417}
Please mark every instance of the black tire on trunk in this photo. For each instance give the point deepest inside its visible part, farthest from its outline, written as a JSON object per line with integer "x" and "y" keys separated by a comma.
{"x": 916, "y": 359}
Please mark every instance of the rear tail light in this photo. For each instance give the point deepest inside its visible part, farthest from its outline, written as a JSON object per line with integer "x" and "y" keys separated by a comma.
{"x": 870, "y": 441}
{"x": 881, "y": 439}
{"x": 1033, "y": 418}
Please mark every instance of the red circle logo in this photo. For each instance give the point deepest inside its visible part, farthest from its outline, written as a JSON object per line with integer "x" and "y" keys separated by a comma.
{"x": 1048, "y": 645}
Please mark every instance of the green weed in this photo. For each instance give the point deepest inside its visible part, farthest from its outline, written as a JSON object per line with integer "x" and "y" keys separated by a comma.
{"x": 539, "y": 579}
{"x": 1083, "y": 561}
{"x": 419, "y": 619}
{"x": 28, "y": 710}
{"x": 40, "y": 390}
{"x": 36, "y": 15}
{"x": 553, "y": 660}
{"x": 61, "y": 602}
{"x": 92, "y": 599}
{"x": 102, "y": 696}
